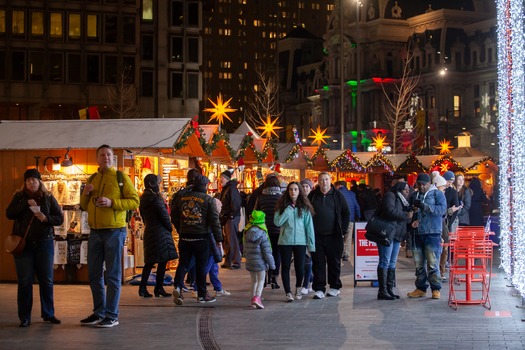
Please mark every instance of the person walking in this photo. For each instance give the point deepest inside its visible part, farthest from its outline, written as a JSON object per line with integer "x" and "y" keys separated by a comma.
{"x": 428, "y": 221}
{"x": 294, "y": 217}
{"x": 230, "y": 217}
{"x": 35, "y": 211}
{"x": 159, "y": 247}
{"x": 331, "y": 225}
{"x": 395, "y": 208}
{"x": 465, "y": 200}
{"x": 355, "y": 212}
{"x": 198, "y": 217}
{"x": 267, "y": 202}
{"x": 258, "y": 252}
{"x": 106, "y": 203}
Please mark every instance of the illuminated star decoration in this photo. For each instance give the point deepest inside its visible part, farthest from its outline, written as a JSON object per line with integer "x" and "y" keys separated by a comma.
{"x": 268, "y": 127}
{"x": 444, "y": 167}
{"x": 380, "y": 141}
{"x": 219, "y": 110}
{"x": 318, "y": 136}
{"x": 444, "y": 147}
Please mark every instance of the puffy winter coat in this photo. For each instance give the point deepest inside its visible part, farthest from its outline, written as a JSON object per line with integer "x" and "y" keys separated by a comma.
{"x": 267, "y": 202}
{"x": 158, "y": 241}
{"x": 257, "y": 250}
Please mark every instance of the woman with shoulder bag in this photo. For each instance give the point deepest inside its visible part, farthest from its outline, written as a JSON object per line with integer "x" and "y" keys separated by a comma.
{"x": 394, "y": 207}
{"x": 36, "y": 212}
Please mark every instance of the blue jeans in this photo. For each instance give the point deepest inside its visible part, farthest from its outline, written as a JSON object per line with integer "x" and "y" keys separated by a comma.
{"x": 36, "y": 259}
{"x": 213, "y": 270}
{"x": 105, "y": 245}
{"x": 388, "y": 255}
{"x": 427, "y": 251}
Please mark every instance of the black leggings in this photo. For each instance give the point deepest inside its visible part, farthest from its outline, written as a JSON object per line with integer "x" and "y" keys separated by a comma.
{"x": 299, "y": 254}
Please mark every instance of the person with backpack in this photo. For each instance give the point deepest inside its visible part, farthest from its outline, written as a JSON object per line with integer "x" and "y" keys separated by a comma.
{"x": 106, "y": 202}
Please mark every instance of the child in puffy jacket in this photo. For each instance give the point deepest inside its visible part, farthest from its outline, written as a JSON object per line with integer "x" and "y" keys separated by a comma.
{"x": 258, "y": 253}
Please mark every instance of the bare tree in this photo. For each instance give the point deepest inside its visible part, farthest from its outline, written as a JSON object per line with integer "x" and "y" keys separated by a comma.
{"x": 398, "y": 105}
{"x": 264, "y": 100}
{"x": 122, "y": 96}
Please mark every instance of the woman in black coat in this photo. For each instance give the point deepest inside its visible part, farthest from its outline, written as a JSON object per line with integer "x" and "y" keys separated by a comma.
{"x": 478, "y": 201}
{"x": 159, "y": 247}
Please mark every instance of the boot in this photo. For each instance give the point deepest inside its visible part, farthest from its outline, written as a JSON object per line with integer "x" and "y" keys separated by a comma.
{"x": 382, "y": 294}
{"x": 160, "y": 292}
{"x": 159, "y": 282}
{"x": 143, "y": 292}
{"x": 274, "y": 283}
{"x": 391, "y": 283}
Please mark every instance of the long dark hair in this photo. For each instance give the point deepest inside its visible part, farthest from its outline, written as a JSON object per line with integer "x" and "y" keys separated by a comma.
{"x": 302, "y": 202}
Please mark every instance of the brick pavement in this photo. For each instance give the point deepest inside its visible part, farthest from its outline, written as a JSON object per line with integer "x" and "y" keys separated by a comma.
{"x": 355, "y": 320}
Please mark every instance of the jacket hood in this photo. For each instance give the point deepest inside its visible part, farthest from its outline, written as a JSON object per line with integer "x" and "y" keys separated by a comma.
{"x": 254, "y": 234}
{"x": 272, "y": 190}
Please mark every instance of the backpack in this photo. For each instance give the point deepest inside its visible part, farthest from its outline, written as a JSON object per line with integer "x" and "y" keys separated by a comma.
{"x": 120, "y": 181}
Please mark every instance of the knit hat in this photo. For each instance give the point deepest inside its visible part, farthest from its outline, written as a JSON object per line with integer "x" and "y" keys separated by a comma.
{"x": 439, "y": 181}
{"x": 362, "y": 182}
{"x": 423, "y": 178}
{"x": 449, "y": 175}
{"x": 227, "y": 174}
{"x": 307, "y": 182}
{"x": 32, "y": 173}
{"x": 258, "y": 218}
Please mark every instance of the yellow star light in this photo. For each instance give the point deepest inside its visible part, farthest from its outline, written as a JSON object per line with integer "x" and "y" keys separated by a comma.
{"x": 444, "y": 147}
{"x": 380, "y": 141}
{"x": 318, "y": 136}
{"x": 219, "y": 110}
{"x": 268, "y": 127}
{"x": 443, "y": 167}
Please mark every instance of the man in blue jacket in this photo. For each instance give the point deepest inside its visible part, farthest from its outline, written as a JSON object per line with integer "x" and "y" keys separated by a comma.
{"x": 355, "y": 211}
{"x": 431, "y": 207}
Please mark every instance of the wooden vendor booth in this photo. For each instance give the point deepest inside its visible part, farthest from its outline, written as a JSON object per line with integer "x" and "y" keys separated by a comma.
{"x": 64, "y": 152}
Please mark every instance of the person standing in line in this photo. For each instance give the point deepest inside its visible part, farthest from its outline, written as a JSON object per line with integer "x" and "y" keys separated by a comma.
{"x": 367, "y": 200}
{"x": 198, "y": 217}
{"x": 355, "y": 211}
{"x": 106, "y": 203}
{"x": 308, "y": 279}
{"x": 258, "y": 253}
{"x": 331, "y": 225}
{"x": 38, "y": 254}
{"x": 428, "y": 221}
{"x": 478, "y": 201}
{"x": 465, "y": 199}
{"x": 294, "y": 217}
{"x": 159, "y": 247}
{"x": 229, "y": 217}
{"x": 267, "y": 202}
{"x": 451, "y": 218}
{"x": 394, "y": 207}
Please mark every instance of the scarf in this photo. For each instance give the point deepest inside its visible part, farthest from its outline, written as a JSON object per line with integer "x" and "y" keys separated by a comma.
{"x": 403, "y": 199}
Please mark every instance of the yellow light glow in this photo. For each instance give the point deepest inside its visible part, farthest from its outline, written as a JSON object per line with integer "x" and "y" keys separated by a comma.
{"x": 444, "y": 147}
{"x": 220, "y": 110}
{"x": 380, "y": 141}
{"x": 443, "y": 167}
{"x": 268, "y": 127}
{"x": 318, "y": 136}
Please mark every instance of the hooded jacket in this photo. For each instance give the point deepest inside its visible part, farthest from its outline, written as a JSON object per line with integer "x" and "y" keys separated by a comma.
{"x": 267, "y": 202}
{"x": 296, "y": 230}
{"x": 257, "y": 250}
{"x": 431, "y": 214}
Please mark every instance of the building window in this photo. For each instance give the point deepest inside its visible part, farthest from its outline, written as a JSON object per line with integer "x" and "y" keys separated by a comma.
{"x": 476, "y": 91}
{"x": 177, "y": 14}
{"x": 110, "y": 69}
{"x": 146, "y": 83}
{"x": 129, "y": 30}
{"x": 18, "y": 63}
{"x": 492, "y": 89}
{"x": 37, "y": 23}
{"x": 110, "y": 29}
{"x": 147, "y": 10}
{"x": 193, "y": 85}
{"x": 74, "y": 25}
{"x": 36, "y": 66}
{"x": 18, "y": 25}
{"x": 147, "y": 47}
{"x": 2, "y": 21}
{"x": 129, "y": 69}
{"x": 92, "y": 27}
{"x": 93, "y": 69}
{"x": 55, "y": 25}
{"x": 193, "y": 50}
{"x": 177, "y": 53}
{"x": 56, "y": 65}
{"x": 193, "y": 14}
{"x": 2, "y": 66}
{"x": 477, "y": 109}
{"x": 457, "y": 106}
{"x": 176, "y": 85}
{"x": 74, "y": 62}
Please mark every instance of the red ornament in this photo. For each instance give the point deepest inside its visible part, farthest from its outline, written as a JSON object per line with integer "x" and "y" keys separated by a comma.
{"x": 240, "y": 162}
{"x": 195, "y": 126}
{"x": 249, "y": 133}
{"x": 147, "y": 164}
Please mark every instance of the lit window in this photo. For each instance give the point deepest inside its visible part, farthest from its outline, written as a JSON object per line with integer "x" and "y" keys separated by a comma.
{"x": 18, "y": 25}
{"x": 457, "y": 106}
{"x": 37, "y": 23}
{"x": 2, "y": 21}
{"x": 74, "y": 25}
{"x": 147, "y": 10}
{"x": 55, "y": 25}
{"x": 92, "y": 26}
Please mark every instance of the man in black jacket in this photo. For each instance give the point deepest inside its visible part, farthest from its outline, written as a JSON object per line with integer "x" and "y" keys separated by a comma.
{"x": 230, "y": 216}
{"x": 331, "y": 220}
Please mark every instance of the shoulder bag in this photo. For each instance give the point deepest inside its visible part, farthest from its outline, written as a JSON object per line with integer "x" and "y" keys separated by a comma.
{"x": 15, "y": 244}
{"x": 379, "y": 230}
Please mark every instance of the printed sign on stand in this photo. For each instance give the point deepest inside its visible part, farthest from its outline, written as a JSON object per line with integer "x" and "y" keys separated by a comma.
{"x": 366, "y": 256}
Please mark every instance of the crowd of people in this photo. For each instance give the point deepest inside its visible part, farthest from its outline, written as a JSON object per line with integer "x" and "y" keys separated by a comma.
{"x": 309, "y": 226}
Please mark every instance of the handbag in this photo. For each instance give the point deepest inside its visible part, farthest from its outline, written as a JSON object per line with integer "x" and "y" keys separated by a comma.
{"x": 15, "y": 244}
{"x": 379, "y": 230}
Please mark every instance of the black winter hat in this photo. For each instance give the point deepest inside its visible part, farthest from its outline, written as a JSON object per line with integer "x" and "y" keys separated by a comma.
{"x": 227, "y": 174}
{"x": 32, "y": 173}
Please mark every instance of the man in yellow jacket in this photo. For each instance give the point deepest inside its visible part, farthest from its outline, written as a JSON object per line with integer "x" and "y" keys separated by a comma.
{"x": 106, "y": 205}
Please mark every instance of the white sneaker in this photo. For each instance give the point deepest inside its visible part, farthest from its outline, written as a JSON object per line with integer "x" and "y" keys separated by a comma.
{"x": 219, "y": 293}
{"x": 310, "y": 289}
{"x": 304, "y": 291}
{"x": 319, "y": 295}
{"x": 289, "y": 297}
{"x": 332, "y": 292}
{"x": 298, "y": 294}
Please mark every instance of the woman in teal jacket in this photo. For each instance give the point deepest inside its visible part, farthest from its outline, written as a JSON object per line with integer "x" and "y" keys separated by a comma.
{"x": 294, "y": 216}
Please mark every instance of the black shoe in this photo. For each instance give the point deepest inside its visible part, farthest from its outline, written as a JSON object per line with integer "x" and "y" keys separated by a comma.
{"x": 92, "y": 320}
{"x": 161, "y": 293}
{"x": 24, "y": 323}
{"x": 143, "y": 293}
{"x": 107, "y": 323}
{"x": 52, "y": 320}
{"x": 225, "y": 266}
{"x": 345, "y": 258}
{"x": 235, "y": 267}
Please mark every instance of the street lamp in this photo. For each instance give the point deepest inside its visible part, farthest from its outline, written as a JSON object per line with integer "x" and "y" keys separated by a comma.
{"x": 358, "y": 69}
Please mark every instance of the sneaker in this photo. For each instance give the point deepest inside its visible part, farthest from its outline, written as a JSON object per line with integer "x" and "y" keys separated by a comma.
{"x": 444, "y": 279}
{"x": 257, "y": 303}
{"x": 418, "y": 293}
{"x": 333, "y": 292}
{"x": 177, "y": 296}
{"x": 289, "y": 297}
{"x": 310, "y": 289}
{"x": 223, "y": 292}
{"x": 319, "y": 294}
{"x": 107, "y": 323}
{"x": 304, "y": 291}
{"x": 436, "y": 294}
{"x": 92, "y": 320}
{"x": 298, "y": 294}
{"x": 253, "y": 301}
{"x": 206, "y": 299}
